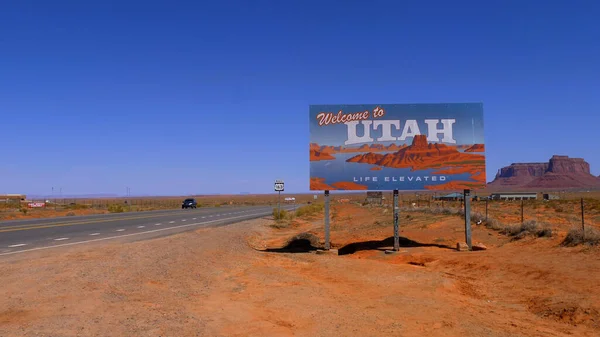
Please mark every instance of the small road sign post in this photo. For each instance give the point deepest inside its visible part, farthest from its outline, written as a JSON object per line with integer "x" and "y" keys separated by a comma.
{"x": 467, "y": 203}
{"x": 279, "y": 188}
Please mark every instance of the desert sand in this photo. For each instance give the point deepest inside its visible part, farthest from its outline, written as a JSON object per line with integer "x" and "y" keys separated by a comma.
{"x": 226, "y": 282}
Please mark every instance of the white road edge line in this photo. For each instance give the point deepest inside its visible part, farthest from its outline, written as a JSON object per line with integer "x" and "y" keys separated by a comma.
{"x": 18, "y": 245}
{"x": 60, "y": 239}
{"x": 95, "y": 234}
{"x": 132, "y": 234}
{"x": 157, "y": 224}
{"x": 141, "y": 226}
{"x": 120, "y": 230}
{"x": 171, "y": 221}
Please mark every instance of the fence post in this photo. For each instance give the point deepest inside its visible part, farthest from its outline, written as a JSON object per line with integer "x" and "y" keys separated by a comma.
{"x": 522, "y": 219}
{"x": 582, "y": 219}
{"x": 486, "y": 210}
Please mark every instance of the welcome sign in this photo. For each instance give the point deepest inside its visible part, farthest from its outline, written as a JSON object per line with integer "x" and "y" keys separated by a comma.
{"x": 397, "y": 146}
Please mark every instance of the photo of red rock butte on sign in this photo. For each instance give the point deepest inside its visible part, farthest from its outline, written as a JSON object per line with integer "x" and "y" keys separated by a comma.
{"x": 397, "y": 146}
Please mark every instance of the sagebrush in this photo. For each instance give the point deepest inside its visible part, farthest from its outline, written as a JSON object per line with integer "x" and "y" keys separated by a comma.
{"x": 576, "y": 237}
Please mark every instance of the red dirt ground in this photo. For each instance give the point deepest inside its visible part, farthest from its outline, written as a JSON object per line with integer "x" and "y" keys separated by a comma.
{"x": 216, "y": 282}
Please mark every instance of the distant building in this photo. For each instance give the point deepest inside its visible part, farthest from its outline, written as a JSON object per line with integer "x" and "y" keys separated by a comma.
{"x": 514, "y": 196}
{"x": 548, "y": 196}
{"x": 451, "y": 196}
{"x": 12, "y": 197}
{"x": 375, "y": 198}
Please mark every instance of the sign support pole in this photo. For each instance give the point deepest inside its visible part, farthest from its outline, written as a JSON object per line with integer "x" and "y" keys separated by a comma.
{"x": 467, "y": 203}
{"x": 279, "y": 188}
{"x": 327, "y": 244}
{"x": 396, "y": 229}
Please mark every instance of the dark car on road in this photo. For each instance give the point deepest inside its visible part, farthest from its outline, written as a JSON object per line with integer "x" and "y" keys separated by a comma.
{"x": 189, "y": 203}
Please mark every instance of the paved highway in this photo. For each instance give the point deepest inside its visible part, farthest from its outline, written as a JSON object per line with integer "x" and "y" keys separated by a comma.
{"x": 29, "y": 235}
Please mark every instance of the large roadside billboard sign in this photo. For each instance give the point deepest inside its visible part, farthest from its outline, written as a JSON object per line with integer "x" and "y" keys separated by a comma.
{"x": 377, "y": 147}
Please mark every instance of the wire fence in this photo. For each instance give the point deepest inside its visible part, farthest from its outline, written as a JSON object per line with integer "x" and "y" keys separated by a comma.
{"x": 563, "y": 211}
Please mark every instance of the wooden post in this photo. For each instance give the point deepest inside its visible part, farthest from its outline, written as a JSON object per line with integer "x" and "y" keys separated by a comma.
{"x": 522, "y": 219}
{"x": 486, "y": 210}
{"x": 582, "y": 219}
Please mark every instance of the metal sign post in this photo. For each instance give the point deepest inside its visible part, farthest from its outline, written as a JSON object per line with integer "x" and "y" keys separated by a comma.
{"x": 327, "y": 244}
{"x": 396, "y": 229}
{"x": 279, "y": 188}
{"x": 467, "y": 200}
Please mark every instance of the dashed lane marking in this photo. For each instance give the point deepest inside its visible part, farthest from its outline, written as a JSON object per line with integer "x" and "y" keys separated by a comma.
{"x": 132, "y": 234}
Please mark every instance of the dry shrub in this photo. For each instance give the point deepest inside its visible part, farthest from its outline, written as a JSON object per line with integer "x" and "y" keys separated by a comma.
{"x": 279, "y": 214}
{"x": 591, "y": 205}
{"x": 76, "y": 206}
{"x": 477, "y": 217}
{"x": 528, "y": 228}
{"x": 309, "y": 210}
{"x": 116, "y": 208}
{"x": 575, "y": 237}
{"x": 494, "y": 224}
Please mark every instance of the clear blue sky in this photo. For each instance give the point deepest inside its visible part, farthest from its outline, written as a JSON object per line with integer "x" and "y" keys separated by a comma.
{"x": 178, "y": 97}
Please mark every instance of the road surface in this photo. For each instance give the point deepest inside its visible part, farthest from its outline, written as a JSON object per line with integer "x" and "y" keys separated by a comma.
{"x": 21, "y": 236}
